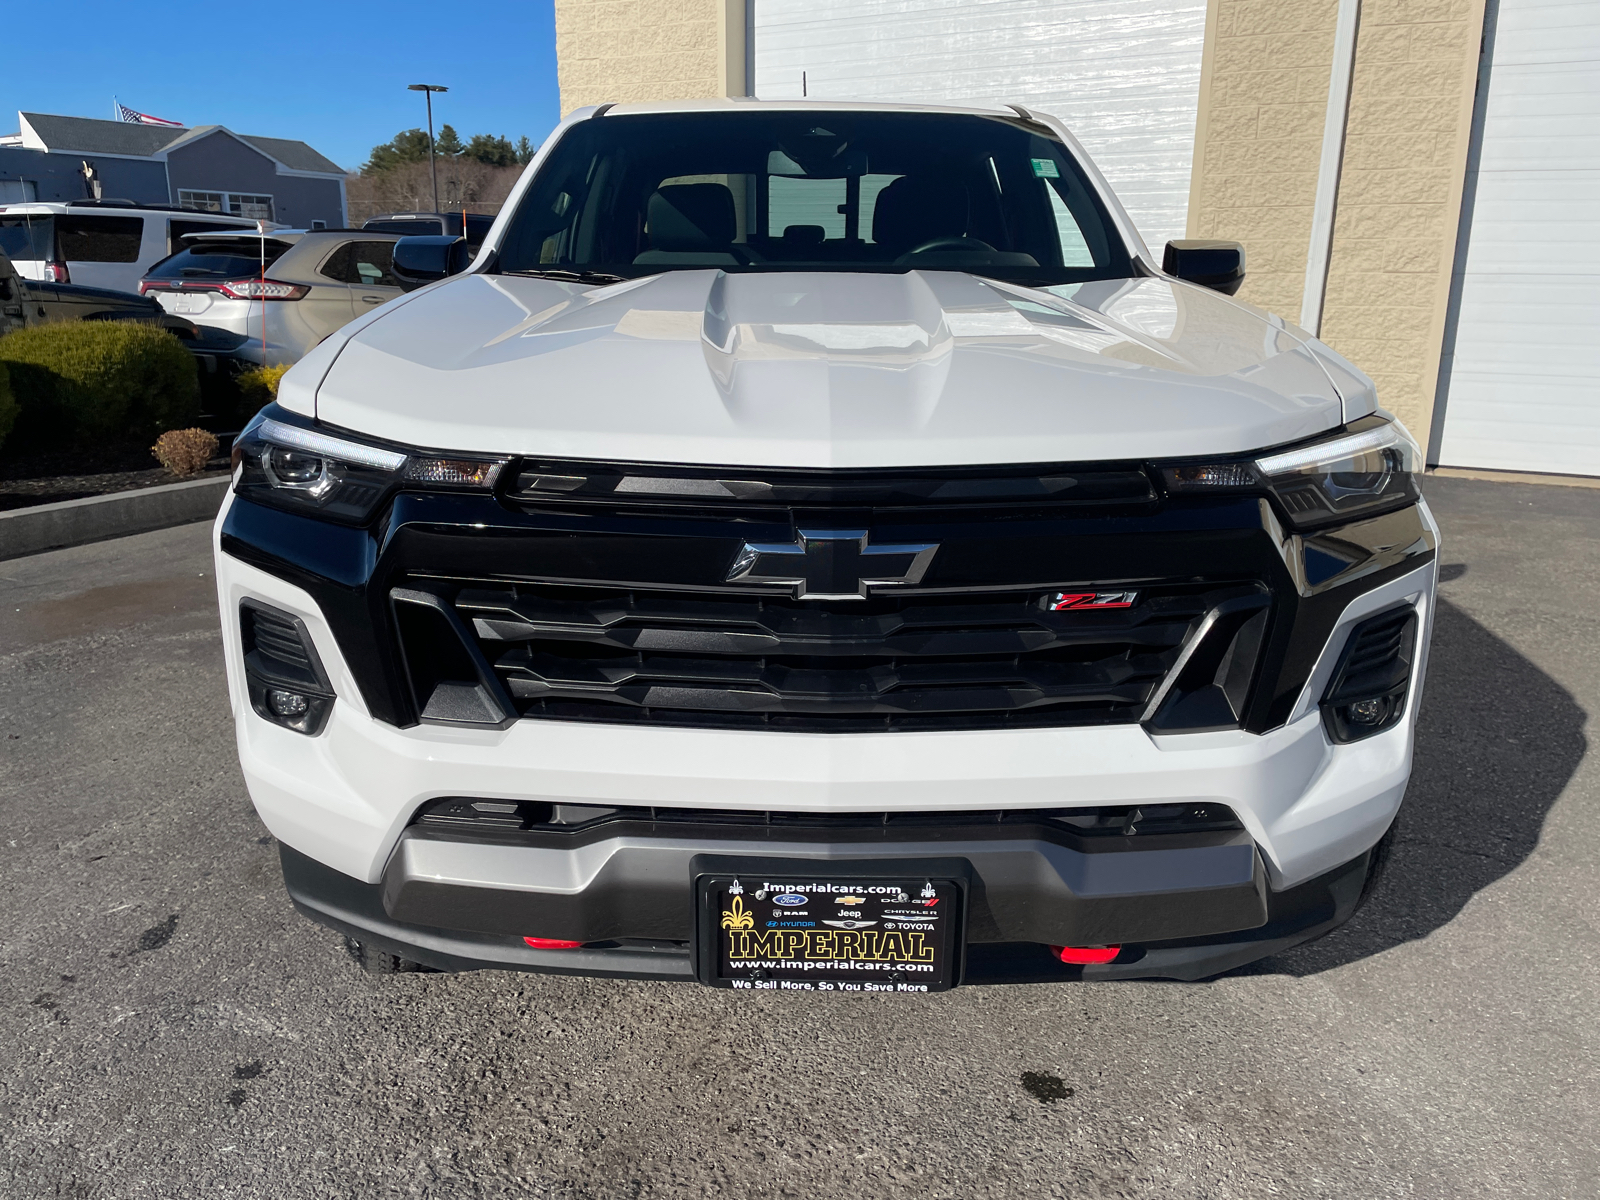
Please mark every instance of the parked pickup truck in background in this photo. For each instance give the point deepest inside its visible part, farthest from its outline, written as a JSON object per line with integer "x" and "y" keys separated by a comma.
{"x": 25, "y": 302}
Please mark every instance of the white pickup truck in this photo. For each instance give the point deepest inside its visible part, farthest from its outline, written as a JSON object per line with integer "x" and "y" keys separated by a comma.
{"x": 819, "y": 547}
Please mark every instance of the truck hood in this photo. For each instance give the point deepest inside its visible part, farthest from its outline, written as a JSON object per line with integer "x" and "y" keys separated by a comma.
{"x": 823, "y": 370}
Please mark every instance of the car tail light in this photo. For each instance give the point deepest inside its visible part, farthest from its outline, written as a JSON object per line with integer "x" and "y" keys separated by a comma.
{"x": 551, "y": 943}
{"x": 262, "y": 289}
{"x": 56, "y": 272}
{"x": 1086, "y": 955}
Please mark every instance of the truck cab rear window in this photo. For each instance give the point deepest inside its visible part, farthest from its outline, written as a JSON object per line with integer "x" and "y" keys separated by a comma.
{"x": 406, "y": 228}
{"x": 99, "y": 239}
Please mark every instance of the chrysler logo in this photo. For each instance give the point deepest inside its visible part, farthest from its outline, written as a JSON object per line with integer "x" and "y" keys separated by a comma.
{"x": 832, "y": 564}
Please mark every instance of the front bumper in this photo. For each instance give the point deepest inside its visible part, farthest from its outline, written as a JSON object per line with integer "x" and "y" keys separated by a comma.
{"x": 342, "y": 804}
{"x": 358, "y": 910}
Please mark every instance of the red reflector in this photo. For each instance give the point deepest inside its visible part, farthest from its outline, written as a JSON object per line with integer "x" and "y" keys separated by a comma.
{"x": 551, "y": 943}
{"x": 1084, "y": 955}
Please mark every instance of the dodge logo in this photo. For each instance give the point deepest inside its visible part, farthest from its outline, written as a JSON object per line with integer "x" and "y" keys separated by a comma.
{"x": 832, "y": 564}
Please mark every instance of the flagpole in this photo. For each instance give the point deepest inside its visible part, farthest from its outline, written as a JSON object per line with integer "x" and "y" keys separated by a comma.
{"x": 262, "y": 226}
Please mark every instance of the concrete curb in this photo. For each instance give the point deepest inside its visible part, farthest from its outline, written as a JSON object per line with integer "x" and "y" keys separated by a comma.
{"x": 95, "y": 518}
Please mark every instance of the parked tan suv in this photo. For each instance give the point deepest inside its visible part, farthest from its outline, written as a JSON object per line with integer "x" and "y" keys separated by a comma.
{"x": 282, "y": 292}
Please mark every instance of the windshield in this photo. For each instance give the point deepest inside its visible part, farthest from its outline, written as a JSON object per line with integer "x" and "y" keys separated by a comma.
{"x": 829, "y": 191}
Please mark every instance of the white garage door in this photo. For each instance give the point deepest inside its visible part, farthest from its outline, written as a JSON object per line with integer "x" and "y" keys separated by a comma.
{"x": 1525, "y": 382}
{"x": 1123, "y": 74}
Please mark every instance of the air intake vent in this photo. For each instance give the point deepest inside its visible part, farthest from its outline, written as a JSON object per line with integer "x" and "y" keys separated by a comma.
{"x": 1368, "y": 691}
{"x": 275, "y": 646}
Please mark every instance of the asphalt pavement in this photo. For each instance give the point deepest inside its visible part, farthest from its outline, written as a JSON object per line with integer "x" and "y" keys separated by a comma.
{"x": 170, "y": 1028}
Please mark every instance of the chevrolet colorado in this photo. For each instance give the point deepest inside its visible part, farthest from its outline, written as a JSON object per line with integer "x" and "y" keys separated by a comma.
{"x": 818, "y": 547}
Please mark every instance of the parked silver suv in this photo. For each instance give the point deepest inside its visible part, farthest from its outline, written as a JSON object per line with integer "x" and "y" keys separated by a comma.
{"x": 281, "y": 292}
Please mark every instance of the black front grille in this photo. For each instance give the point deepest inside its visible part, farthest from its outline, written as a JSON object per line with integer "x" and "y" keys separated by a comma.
{"x": 922, "y": 661}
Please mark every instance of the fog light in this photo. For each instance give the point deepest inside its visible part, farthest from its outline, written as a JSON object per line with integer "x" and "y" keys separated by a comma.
{"x": 287, "y": 704}
{"x": 1368, "y": 712}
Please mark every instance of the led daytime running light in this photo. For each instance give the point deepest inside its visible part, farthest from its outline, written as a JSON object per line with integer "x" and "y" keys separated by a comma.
{"x": 331, "y": 447}
{"x": 1329, "y": 452}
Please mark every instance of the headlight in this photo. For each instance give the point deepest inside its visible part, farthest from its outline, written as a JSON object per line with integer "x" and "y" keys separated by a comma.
{"x": 288, "y": 465}
{"x": 1367, "y": 469}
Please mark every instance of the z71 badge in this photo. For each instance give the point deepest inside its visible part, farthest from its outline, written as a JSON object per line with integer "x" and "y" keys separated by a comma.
{"x": 1074, "y": 601}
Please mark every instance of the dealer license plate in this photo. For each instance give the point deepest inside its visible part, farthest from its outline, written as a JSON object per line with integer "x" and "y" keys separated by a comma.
{"x": 803, "y": 934}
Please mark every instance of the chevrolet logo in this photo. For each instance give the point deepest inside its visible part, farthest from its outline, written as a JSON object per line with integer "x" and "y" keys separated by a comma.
{"x": 832, "y": 564}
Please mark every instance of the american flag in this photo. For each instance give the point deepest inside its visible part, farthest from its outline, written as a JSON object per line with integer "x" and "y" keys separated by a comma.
{"x": 138, "y": 118}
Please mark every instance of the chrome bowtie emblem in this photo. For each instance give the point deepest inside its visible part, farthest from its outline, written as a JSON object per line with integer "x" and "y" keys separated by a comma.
{"x": 832, "y": 564}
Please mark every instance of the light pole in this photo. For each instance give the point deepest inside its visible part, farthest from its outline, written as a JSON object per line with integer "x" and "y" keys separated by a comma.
{"x": 428, "y": 89}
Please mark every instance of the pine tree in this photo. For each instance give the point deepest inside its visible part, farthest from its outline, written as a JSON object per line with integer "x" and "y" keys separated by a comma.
{"x": 494, "y": 151}
{"x": 449, "y": 144}
{"x": 525, "y": 151}
{"x": 407, "y": 146}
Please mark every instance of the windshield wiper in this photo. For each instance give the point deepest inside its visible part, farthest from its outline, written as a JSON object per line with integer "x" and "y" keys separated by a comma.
{"x": 573, "y": 276}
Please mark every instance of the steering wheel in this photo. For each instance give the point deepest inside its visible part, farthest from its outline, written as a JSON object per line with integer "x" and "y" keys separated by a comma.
{"x": 975, "y": 245}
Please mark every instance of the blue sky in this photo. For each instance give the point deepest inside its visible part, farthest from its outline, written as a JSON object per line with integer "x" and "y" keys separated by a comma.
{"x": 331, "y": 74}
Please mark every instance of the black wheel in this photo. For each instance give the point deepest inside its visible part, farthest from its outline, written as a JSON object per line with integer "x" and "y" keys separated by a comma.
{"x": 377, "y": 962}
{"x": 1381, "y": 854}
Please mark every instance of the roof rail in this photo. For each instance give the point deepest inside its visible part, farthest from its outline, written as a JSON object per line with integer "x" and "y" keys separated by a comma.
{"x": 150, "y": 207}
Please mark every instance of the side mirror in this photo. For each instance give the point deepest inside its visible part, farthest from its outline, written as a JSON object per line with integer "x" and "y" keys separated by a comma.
{"x": 420, "y": 260}
{"x": 1212, "y": 264}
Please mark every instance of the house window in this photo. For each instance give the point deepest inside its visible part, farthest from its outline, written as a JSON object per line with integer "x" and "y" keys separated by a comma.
{"x": 203, "y": 201}
{"x": 257, "y": 208}
{"x": 237, "y": 204}
{"x": 17, "y": 191}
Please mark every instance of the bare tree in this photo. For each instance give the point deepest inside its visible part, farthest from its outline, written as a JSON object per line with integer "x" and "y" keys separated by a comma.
{"x": 463, "y": 183}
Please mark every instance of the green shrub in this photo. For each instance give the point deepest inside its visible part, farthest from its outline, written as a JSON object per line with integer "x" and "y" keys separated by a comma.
{"x": 86, "y": 381}
{"x": 8, "y": 404}
{"x": 258, "y": 387}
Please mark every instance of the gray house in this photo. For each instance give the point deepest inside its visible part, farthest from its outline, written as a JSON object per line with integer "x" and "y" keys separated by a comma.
{"x": 210, "y": 168}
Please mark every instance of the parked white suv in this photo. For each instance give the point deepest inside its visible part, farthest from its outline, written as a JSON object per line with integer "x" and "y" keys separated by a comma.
{"x": 98, "y": 243}
{"x": 816, "y": 547}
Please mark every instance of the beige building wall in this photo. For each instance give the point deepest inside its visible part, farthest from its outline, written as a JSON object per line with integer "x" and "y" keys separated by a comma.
{"x": 1263, "y": 103}
{"x": 1258, "y": 138}
{"x": 623, "y": 51}
{"x": 1394, "y": 236}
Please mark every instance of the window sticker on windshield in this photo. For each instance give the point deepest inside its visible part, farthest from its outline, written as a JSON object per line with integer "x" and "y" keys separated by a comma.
{"x": 1045, "y": 168}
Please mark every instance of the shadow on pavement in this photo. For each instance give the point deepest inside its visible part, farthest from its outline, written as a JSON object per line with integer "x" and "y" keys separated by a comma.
{"x": 1496, "y": 745}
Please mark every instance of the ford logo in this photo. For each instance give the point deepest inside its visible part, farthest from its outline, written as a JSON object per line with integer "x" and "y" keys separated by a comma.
{"x": 789, "y": 899}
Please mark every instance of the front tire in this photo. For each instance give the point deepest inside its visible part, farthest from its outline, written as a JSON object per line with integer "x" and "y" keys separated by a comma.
{"x": 377, "y": 962}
